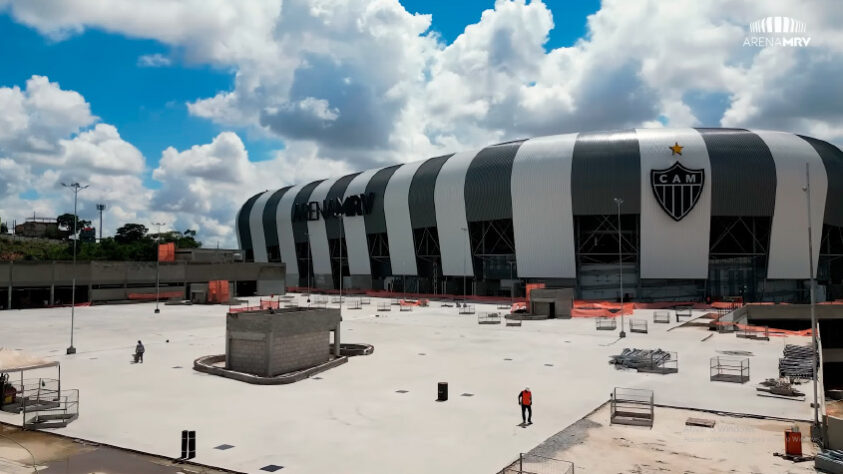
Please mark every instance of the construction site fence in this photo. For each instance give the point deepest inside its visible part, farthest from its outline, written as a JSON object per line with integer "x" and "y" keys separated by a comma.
{"x": 535, "y": 464}
{"x": 263, "y": 304}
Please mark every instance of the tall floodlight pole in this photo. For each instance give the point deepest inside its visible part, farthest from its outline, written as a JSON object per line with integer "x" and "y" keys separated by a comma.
{"x": 464, "y": 255}
{"x": 100, "y": 208}
{"x": 619, "y": 201}
{"x": 816, "y": 359}
{"x": 340, "y": 243}
{"x": 157, "y": 265}
{"x": 76, "y": 187}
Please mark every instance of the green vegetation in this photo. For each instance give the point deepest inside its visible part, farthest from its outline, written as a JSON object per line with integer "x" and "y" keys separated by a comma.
{"x": 132, "y": 242}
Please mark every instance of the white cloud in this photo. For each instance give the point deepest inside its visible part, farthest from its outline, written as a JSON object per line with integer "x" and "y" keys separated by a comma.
{"x": 154, "y": 60}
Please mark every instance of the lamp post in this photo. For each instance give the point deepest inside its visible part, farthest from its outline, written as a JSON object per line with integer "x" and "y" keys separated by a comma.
{"x": 619, "y": 201}
{"x": 100, "y": 208}
{"x": 307, "y": 263}
{"x": 76, "y": 187}
{"x": 816, "y": 359}
{"x": 340, "y": 244}
{"x": 464, "y": 255}
{"x": 157, "y": 265}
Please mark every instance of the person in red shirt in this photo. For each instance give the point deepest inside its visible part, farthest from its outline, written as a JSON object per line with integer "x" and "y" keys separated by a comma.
{"x": 525, "y": 399}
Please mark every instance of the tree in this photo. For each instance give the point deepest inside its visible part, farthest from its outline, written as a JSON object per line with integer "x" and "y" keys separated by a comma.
{"x": 4, "y": 229}
{"x": 130, "y": 233}
{"x": 65, "y": 221}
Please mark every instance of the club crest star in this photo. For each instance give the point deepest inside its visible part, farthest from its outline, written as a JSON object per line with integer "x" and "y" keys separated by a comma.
{"x": 676, "y": 149}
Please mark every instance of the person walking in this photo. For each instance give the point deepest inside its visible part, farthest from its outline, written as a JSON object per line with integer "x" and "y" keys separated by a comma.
{"x": 139, "y": 350}
{"x": 525, "y": 399}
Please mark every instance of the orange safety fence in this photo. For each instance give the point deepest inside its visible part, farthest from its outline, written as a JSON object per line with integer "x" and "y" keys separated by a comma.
{"x": 218, "y": 291}
{"x": 151, "y": 296}
{"x": 418, "y": 302}
{"x": 262, "y": 305}
{"x": 771, "y": 331}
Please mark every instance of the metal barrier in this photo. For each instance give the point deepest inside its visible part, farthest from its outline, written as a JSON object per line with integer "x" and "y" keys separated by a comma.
{"x": 534, "y": 464}
{"x": 606, "y": 324}
{"x": 406, "y": 307}
{"x": 638, "y": 325}
{"x": 754, "y": 332}
{"x": 632, "y": 406}
{"x": 488, "y": 318}
{"x": 336, "y": 300}
{"x": 395, "y": 302}
{"x": 467, "y": 309}
{"x": 729, "y": 369}
{"x": 683, "y": 313}
{"x": 365, "y": 301}
{"x": 661, "y": 317}
{"x": 384, "y": 306}
{"x": 354, "y": 303}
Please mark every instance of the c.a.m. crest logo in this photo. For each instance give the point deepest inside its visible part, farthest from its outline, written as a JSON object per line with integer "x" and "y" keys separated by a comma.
{"x": 677, "y": 189}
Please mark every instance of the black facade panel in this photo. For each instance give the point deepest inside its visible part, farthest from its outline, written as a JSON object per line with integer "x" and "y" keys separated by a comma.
{"x": 375, "y": 220}
{"x": 302, "y": 198}
{"x": 833, "y": 160}
{"x": 243, "y": 222}
{"x": 422, "y": 187}
{"x": 606, "y": 166}
{"x": 270, "y": 226}
{"x": 743, "y": 173}
{"x": 332, "y": 224}
{"x": 488, "y": 180}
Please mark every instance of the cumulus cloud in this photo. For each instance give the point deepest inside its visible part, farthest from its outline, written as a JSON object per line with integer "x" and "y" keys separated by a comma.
{"x": 352, "y": 84}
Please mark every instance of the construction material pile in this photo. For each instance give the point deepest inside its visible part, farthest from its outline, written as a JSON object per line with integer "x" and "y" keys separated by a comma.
{"x": 639, "y": 358}
{"x": 829, "y": 461}
{"x": 780, "y": 388}
{"x": 797, "y": 362}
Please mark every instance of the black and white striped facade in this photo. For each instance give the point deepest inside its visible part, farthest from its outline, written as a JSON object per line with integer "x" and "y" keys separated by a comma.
{"x": 546, "y": 209}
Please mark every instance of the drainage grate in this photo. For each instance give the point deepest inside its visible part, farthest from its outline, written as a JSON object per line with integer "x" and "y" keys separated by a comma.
{"x": 271, "y": 468}
{"x": 223, "y": 447}
{"x": 401, "y": 391}
{"x": 422, "y": 353}
{"x": 548, "y": 365}
{"x": 507, "y": 358}
{"x": 316, "y": 378}
{"x": 467, "y": 394}
{"x": 177, "y": 367}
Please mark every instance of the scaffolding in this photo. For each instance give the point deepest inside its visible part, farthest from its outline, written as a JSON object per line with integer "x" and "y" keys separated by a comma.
{"x": 632, "y": 406}
{"x": 729, "y": 369}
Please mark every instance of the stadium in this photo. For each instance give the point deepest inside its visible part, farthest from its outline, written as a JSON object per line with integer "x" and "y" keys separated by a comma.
{"x": 682, "y": 214}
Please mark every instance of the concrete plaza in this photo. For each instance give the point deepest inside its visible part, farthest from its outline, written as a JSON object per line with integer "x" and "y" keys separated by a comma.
{"x": 353, "y": 419}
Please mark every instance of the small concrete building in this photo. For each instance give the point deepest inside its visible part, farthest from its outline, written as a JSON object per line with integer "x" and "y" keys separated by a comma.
{"x": 268, "y": 343}
{"x": 552, "y": 302}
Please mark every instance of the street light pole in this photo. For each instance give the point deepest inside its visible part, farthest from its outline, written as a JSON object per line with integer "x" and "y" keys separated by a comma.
{"x": 76, "y": 188}
{"x": 157, "y": 265}
{"x": 307, "y": 263}
{"x": 464, "y": 254}
{"x": 340, "y": 244}
{"x": 816, "y": 359}
{"x": 619, "y": 201}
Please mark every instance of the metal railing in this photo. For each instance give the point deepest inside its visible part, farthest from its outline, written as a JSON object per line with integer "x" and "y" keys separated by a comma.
{"x": 488, "y": 318}
{"x": 632, "y": 406}
{"x": 638, "y": 325}
{"x": 606, "y": 324}
{"x": 662, "y": 317}
{"x": 467, "y": 309}
{"x": 61, "y": 410}
{"x": 729, "y": 369}
{"x": 535, "y": 464}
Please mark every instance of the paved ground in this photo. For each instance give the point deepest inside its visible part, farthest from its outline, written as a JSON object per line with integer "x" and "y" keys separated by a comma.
{"x": 733, "y": 445}
{"x": 352, "y": 420}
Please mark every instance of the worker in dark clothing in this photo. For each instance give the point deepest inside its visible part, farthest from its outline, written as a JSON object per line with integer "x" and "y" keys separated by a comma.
{"x": 139, "y": 350}
{"x": 525, "y": 399}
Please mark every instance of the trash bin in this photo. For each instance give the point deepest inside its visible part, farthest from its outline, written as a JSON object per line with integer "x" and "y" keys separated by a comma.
{"x": 442, "y": 392}
{"x": 793, "y": 442}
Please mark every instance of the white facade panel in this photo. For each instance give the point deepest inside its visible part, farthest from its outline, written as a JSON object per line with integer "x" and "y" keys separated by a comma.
{"x": 355, "y": 229}
{"x": 670, "y": 248}
{"x": 451, "y": 221}
{"x": 542, "y": 214}
{"x": 399, "y": 229}
{"x": 286, "y": 241}
{"x": 256, "y": 227}
{"x": 788, "y": 257}
{"x": 318, "y": 233}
